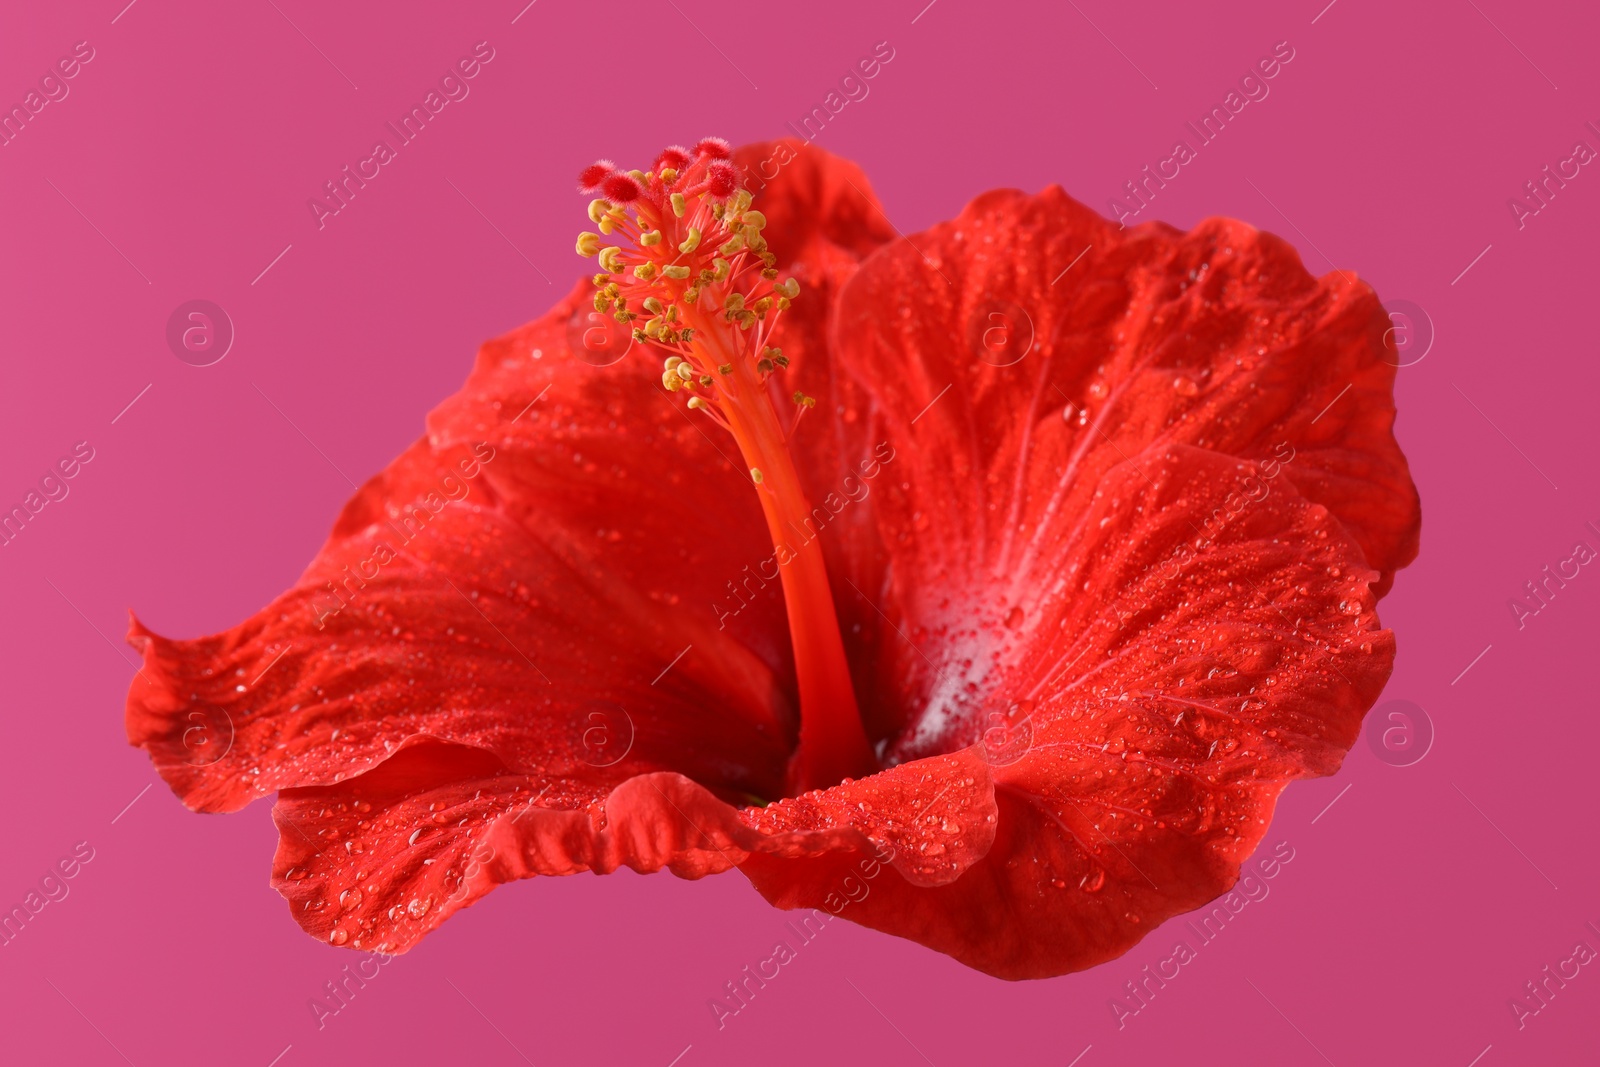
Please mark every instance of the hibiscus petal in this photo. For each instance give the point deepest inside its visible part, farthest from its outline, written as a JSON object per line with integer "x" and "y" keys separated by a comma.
{"x": 489, "y": 623}
{"x": 1114, "y": 349}
{"x": 1162, "y": 692}
{"x": 1217, "y": 338}
{"x": 378, "y": 861}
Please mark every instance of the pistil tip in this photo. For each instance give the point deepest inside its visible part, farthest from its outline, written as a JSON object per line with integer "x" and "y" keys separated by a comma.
{"x": 590, "y": 177}
{"x": 713, "y": 148}
{"x": 722, "y": 178}
{"x": 620, "y": 188}
{"x": 673, "y": 157}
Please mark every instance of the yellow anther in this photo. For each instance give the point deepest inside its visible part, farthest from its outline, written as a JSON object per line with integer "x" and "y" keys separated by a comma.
{"x": 741, "y": 202}
{"x": 611, "y": 259}
{"x": 588, "y": 244}
{"x": 672, "y": 313}
{"x": 678, "y": 271}
{"x": 706, "y": 380}
{"x": 598, "y": 210}
{"x": 732, "y": 245}
{"x": 763, "y": 305}
{"x": 652, "y": 305}
{"x": 650, "y": 237}
{"x": 726, "y": 368}
{"x": 734, "y": 302}
{"x": 602, "y": 302}
{"x": 678, "y": 205}
{"x": 691, "y": 295}
{"x": 755, "y": 475}
{"x": 764, "y": 366}
{"x": 673, "y": 361}
{"x": 645, "y": 271}
{"x": 671, "y": 382}
{"x": 722, "y": 267}
{"x": 769, "y": 273}
{"x": 639, "y": 176}
{"x": 685, "y": 371}
{"x": 696, "y": 402}
{"x": 607, "y": 225}
{"x": 789, "y": 287}
{"x": 601, "y": 280}
{"x": 690, "y": 243}
{"x": 668, "y": 175}
{"x": 754, "y": 220}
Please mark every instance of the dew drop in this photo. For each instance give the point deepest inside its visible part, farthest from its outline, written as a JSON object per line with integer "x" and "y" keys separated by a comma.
{"x": 338, "y": 936}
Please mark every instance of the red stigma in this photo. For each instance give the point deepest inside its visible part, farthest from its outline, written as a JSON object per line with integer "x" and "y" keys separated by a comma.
{"x": 620, "y": 188}
{"x": 713, "y": 148}
{"x": 673, "y": 156}
{"x": 722, "y": 178}
{"x": 590, "y": 177}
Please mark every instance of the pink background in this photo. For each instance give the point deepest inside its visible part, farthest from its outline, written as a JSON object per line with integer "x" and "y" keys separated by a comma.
{"x": 191, "y": 143}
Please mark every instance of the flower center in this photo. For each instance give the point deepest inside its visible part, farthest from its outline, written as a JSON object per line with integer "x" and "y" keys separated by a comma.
{"x": 691, "y": 263}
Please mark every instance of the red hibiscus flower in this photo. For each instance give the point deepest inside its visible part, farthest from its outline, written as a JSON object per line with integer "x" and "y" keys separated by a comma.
{"x": 1018, "y": 565}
